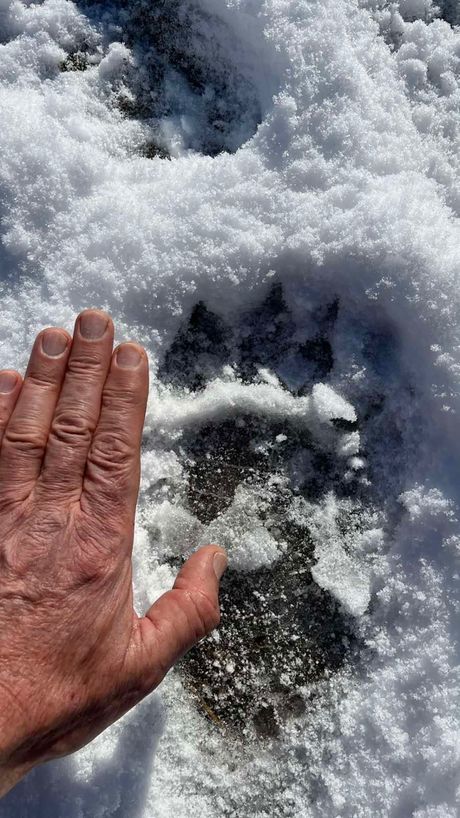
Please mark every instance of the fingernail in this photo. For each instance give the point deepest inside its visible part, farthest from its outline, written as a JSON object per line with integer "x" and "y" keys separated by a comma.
{"x": 220, "y": 563}
{"x": 54, "y": 343}
{"x": 8, "y": 381}
{"x": 93, "y": 325}
{"x": 128, "y": 356}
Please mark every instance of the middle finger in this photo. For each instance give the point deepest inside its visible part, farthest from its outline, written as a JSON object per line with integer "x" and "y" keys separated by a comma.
{"x": 78, "y": 408}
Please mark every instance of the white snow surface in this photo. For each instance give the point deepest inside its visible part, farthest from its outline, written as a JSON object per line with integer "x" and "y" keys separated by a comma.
{"x": 340, "y": 180}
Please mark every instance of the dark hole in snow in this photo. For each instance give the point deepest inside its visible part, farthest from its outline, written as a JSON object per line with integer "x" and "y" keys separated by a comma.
{"x": 266, "y": 336}
{"x": 450, "y": 11}
{"x": 191, "y": 81}
{"x": 198, "y": 352}
{"x": 76, "y": 61}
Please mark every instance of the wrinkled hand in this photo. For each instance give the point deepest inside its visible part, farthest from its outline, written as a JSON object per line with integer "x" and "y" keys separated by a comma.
{"x": 74, "y": 655}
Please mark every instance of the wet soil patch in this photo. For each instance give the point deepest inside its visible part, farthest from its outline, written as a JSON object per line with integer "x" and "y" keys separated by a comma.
{"x": 281, "y": 635}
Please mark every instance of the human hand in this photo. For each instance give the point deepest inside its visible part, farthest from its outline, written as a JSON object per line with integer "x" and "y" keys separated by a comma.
{"x": 74, "y": 655}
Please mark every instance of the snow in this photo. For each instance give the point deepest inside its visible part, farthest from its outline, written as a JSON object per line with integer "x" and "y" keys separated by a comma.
{"x": 314, "y": 146}
{"x": 343, "y": 566}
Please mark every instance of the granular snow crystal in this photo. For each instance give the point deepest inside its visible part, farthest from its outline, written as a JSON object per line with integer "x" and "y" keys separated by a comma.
{"x": 266, "y": 194}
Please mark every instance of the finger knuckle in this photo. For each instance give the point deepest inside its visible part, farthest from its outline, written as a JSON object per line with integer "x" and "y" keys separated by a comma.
{"x": 70, "y": 428}
{"x": 28, "y": 439}
{"x": 94, "y": 560}
{"x": 43, "y": 378}
{"x": 90, "y": 567}
{"x": 111, "y": 451}
{"x": 122, "y": 398}
{"x": 86, "y": 363}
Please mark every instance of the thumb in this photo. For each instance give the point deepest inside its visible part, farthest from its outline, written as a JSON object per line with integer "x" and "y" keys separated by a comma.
{"x": 184, "y": 615}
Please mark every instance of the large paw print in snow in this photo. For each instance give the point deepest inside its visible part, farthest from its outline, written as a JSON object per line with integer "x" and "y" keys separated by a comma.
{"x": 247, "y": 448}
{"x": 196, "y": 80}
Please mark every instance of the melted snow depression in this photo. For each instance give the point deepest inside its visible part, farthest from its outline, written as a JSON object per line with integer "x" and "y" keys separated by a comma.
{"x": 266, "y": 193}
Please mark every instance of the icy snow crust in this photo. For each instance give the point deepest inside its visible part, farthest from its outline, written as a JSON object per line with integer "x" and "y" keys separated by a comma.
{"x": 293, "y": 270}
